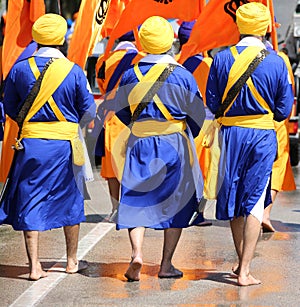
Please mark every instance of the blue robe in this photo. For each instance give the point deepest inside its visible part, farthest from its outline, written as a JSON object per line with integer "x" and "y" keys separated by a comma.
{"x": 45, "y": 189}
{"x": 247, "y": 153}
{"x": 158, "y": 188}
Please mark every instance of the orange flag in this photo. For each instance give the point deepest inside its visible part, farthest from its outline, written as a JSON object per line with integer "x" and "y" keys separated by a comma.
{"x": 137, "y": 11}
{"x": 21, "y": 14}
{"x": 87, "y": 29}
{"x": 94, "y": 16}
{"x": 216, "y": 27}
{"x": 114, "y": 12}
{"x": 274, "y": 25}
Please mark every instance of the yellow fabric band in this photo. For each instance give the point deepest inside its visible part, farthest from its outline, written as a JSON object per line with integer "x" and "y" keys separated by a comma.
{"x": 153, "y": 127}
{"x": 64, "y": 130}
{"x": 156, "y": 99}
{"x": 51, "y": 101}
{"x": 50, "y": 130}
{"x": 34, "y": 67}
{"x": 251, "y": 86}
{"x": 143, "y": 87}
{"x": 54, "y": 76}
{"x": 61, "y": 130}
{"x": 260, "y": 121}
{"x": 239, "y": 67}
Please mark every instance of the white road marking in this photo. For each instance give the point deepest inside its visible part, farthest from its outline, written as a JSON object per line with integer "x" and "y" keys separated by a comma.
{"x": 34, "y": 294}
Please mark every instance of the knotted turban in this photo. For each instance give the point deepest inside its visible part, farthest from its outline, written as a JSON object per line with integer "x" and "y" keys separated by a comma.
{"x": 50, "y": 29}
{"x": 156, "y": 35}
{"x": 253, "y": 18}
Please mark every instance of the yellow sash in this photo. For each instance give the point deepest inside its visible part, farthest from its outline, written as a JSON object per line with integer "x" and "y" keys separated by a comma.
{"x": 146, "y": 82}
{"x": 242, "y": 61}
{"x": 54, "y": 76}
{"x": 157, "y": 127}
{"x": 240, "y": 65}
{"x": 146, "y": 128}
{"x": 58, "y": 130}
{"x": 149, "y": 127}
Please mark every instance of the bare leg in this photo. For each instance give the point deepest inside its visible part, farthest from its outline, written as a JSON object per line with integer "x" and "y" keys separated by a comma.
{"x": 136, "y": 236}
{"x": 171, "y": 238}
{"x": 114, "y": 192}
{"x": 32, "y": 246}
{"x": 237, "y": 229}
{"x": 251, "y": 234}
{"x": 71, "y": 236}
{"x": 266, "y": 223}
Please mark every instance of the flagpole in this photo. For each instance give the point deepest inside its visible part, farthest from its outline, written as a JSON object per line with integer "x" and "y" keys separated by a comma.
{"x": 59, "y": 7}
{"x": 137, "y": 40}
{"x": 202, "y": 5}
{"x": 273, "y": 26}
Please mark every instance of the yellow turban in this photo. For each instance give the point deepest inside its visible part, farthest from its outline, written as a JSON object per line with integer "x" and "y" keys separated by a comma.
{"x": 156, "y": 35}
{"x": 49, "y": 29}
{"x": 253, "y": 18}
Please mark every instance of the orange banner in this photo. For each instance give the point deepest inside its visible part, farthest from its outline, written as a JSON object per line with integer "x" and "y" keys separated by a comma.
{"x": 94, "y": 17}
{"x": 216, "y": 27}
{"x": 87, "y": 30}
{"x": 114, "y": 12}
{"x": 137, "y": 11}
{"x": 21, "y": 14}
{"x": 274, "y": 25}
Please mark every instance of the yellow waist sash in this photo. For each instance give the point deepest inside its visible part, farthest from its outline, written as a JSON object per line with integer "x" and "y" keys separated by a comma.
{"x": 260, "y": 121}
{"x": 154, "y": 127}
{"x": 50, "y": 130}
{"x": 64, "y": 130}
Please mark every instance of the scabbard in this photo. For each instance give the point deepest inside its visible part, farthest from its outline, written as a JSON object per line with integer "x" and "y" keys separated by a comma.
{"x": 200, "y": 209}
{"x": 8, "y": 178}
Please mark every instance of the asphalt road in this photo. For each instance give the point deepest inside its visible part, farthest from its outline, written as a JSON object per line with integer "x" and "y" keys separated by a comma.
{"x": 204, "y": 254}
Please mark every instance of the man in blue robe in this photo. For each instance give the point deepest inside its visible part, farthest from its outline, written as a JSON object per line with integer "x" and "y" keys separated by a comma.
{"x": 45, "y": 187}
{"x": 248, "y": 136}
{"x": 161, "y": 183}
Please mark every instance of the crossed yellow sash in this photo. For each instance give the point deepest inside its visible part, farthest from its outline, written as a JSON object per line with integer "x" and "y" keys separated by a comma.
{"x": 148, "y": 127}
{"x": 210, "y": 129}
{"x": 56, "y": 130}
{"x": 260, "y": 121}
{"x": 137, "y": 94}
{"x": 154, "y": 127}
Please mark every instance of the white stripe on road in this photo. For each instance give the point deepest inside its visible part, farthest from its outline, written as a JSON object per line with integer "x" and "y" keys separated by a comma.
{"x": 34, "y": 294}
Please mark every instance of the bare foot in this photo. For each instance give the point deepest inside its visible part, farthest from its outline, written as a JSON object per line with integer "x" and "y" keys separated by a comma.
{"x": 267, "y": 226}
{"x": 172, "y": 273}
{"x": 112, "y": 217}
{"x": 204, "y": 223}
{"x": 236, "y": 270}
{"x": 76, "y": 267}
{"x": 133, "y": 273}
{"x": 37, "y": 274}
{"x": 247, "y": 280}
